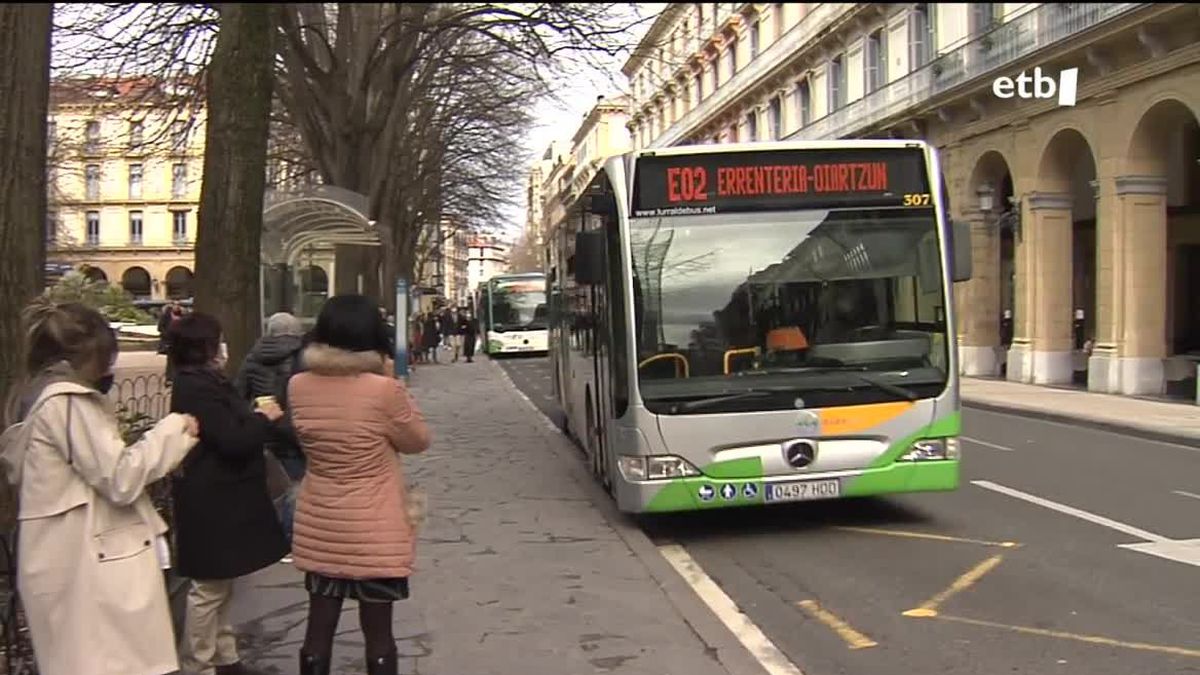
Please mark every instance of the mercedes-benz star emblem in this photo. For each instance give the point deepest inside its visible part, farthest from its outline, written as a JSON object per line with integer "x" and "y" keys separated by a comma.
{"x": 799, "y": 454}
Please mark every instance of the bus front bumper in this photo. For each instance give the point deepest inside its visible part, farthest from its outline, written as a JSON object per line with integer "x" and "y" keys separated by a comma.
{"x": 703, "y": 492}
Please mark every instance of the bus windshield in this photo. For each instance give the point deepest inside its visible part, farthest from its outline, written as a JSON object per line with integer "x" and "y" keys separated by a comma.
{"x": 518, "y": 304}
{"x": 833, "y": 307}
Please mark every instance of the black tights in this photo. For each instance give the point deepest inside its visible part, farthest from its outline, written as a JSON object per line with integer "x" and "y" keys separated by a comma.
{"x": 375, "y": 618}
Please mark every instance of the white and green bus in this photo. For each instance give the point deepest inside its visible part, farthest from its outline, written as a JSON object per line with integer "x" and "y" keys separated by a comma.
{"x": 513, "y": 314}
{"x": 746, "y": 324}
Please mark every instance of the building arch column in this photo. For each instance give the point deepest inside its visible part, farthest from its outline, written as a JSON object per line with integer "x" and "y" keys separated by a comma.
{"x": 1131, "y": 333}
{"x": 1041, "y": 350}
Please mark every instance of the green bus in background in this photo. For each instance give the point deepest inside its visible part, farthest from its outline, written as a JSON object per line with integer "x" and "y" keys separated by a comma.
{"x": 512, "y": 314}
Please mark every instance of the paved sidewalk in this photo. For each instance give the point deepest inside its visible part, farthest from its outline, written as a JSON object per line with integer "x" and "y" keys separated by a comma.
{"x": 518, "y": 571}
{"x": 1155, "y": 420}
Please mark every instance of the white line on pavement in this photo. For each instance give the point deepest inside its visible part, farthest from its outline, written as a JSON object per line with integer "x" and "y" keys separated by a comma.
{"x": 1183, "y": 493}
{"x": 540, "y": 415}
{"x": 1071, "y": 511}
{"x": 985, "y": 444}
{"x": 751, "y": 637}
{"x": 1186, "y": 551}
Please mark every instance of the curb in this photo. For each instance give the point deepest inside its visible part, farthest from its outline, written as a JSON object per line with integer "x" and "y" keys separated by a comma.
{"x": 1174, "y": 438}
{"x": 721, "y": 645}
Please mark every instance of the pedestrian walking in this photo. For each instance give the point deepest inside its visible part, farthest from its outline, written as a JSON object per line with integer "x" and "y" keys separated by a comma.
{"x": 353, "y": 535}
{"x": 469, "y": 326}
{"x": 90, "y": 544}
{"x": 264, "y": 374}
{"x": 432, "y": 334}
{"x": 226, "y": 526}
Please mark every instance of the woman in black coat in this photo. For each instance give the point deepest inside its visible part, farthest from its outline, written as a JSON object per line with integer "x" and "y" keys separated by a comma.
{"x": 225, "y": 524}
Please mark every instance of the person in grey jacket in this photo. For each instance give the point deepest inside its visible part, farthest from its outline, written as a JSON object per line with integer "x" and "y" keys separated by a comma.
{"x": 266, "y": 371}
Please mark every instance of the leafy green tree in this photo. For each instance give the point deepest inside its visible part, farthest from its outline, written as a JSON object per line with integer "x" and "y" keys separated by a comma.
{"x": 112, "y": 301}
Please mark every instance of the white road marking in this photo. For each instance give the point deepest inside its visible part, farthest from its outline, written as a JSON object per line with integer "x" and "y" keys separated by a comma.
{"x": 540, "y": 415}
{"x": 985, "y": 444}
{"x": 1186, "y": 551}
{"x": 1071, "y": 511}
{"x": 750, "y": 635}
{"x": 1183, "y": 493}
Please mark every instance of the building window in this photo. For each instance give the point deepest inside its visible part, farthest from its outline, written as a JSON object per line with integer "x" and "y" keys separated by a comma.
{"x": 837, "y": 83}
{"x": 698, "y": 87}
{"x": 51, "y": 227}
{"x": 731, "y": 56}
{"x": 733, "y": 133}
{"x": 179, "y": 134}
{"x": 754, "y": 37}
{"x": 92, "y": 181}
{"x": 179, "y": 230}
{"x": 136, "y": 135}
{"x": 920, "y": 35}
{"x": 92, "y": 138}
{"x": 777, "y": 12}
{"x": 752, "y": 125}
{"x": 93, "y": 228}
{"x": 875, "y": 61}
{"x": 804, "y": 102}
{"x": 51, "y": 134}
{"x": 775, "y": 118}
{"x": 179, "y": 180}
{"x": 135, "y": 228}
{"x": 984, "y": 17}
{"x": 135, "y": 181}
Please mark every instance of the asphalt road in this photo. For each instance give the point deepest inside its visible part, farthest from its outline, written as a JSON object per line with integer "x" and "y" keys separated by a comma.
{"x": 1021, "y": 570}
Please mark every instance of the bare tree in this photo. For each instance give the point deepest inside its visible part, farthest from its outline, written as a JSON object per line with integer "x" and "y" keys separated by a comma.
{"x": 228, "y": 239}
{"x": 525, "y": 256}
{"x": 25, "y": 81}
{"x": 387, "y": 97}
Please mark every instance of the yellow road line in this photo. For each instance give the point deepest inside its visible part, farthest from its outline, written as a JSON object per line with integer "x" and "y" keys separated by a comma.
{"x": 852, "y": 638}
{"x": 968, "y": 579}
{"x": 1092, "y": 639}
{"x": 927, "y": 535}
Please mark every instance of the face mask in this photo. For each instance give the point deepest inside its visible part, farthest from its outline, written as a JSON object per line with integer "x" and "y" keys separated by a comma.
{"x": 106, "y": 383}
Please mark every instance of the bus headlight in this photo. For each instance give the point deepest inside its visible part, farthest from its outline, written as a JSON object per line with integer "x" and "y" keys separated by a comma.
{"x": 655, "y": 467}
{"x": 931, "y": 449}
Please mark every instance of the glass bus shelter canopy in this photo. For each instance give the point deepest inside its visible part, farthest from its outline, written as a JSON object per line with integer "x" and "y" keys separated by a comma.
{"x": 324, "y": 222}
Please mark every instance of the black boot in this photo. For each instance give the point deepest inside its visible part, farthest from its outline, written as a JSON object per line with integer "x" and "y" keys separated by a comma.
{"x": 382, "y": 665}
{"x": 313, "y": 665}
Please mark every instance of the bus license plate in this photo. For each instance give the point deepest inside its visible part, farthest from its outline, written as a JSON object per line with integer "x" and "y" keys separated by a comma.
{"x": 802, "y": 491}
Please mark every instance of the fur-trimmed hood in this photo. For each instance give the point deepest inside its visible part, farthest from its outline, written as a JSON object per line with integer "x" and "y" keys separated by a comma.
{"x": 325, "y": 360}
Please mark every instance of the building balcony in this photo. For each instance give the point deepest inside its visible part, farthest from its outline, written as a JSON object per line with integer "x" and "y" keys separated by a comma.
{"x": 986, "y": 54}
{"x": 768, "y": 61}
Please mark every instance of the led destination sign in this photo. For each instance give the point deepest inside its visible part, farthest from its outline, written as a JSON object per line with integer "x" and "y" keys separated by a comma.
{"x": 779, "y": 180}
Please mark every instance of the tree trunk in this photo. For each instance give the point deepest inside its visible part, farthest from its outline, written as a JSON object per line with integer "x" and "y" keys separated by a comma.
{"x": 25, "y": 82}
{"x": 229, "y": 235}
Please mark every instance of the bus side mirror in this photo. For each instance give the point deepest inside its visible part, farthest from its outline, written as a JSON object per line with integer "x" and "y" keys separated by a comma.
{"x": 589, "y": 257}
{"x": 960, "y": 257}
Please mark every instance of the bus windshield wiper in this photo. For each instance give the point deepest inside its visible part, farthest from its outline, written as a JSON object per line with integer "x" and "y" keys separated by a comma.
{"x": 858, "y": 372}
{"x": 687, "y": 406}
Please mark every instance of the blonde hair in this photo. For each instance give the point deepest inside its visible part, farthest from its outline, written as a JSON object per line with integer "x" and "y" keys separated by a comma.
{"x": 70, "y": 332}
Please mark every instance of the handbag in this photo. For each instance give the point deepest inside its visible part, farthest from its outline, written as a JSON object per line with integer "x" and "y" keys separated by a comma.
{"x": 278, "y": 481}
{"x": 416, "y": 505}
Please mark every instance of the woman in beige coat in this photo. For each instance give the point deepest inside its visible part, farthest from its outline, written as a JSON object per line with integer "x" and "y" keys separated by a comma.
{"x": 353, "y": 536}
{"x": 90, "y": 549}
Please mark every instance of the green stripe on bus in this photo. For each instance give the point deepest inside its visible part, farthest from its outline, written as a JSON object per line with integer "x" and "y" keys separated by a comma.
{"x": 884, "y": 476}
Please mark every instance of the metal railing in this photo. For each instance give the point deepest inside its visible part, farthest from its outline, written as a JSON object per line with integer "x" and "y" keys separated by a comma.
{"x": 1015, "y": 39}
{"x": 141, "y": 401}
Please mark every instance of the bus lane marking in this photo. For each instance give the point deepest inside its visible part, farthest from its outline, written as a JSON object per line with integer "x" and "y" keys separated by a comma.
{"x": 852, "y": 638}
{"x": 751, "y": 636}
{"x": 994, "y": 446}
{"x": 1064, "y": 635}
{"x": 1186, "y": 551}
{"x": 926, "y": 535}
{"x": 1185, "y": 493}
{"x": 929, "y": 608}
